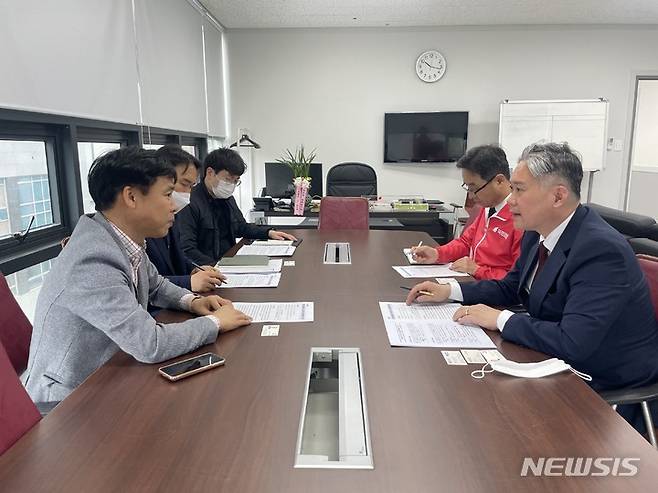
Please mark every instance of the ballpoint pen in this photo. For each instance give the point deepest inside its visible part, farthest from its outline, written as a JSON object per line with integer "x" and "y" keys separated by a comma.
{"x": 221, "y": 281}
{"x": 426, "y": 293}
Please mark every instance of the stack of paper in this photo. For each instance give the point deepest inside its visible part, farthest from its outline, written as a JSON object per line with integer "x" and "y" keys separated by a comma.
{"x": 274, "y": 265}
{"x": 252, "y": 280}
{"x": 430, "y": 325}
{"x": 272, "y": 242}
{"x": 417, "y": 271}
{"x": 267, "y": 249}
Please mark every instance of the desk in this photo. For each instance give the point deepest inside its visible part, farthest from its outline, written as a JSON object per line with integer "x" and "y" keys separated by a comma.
{"x": 234, "y": 429}
{"x": 381, "y": 217}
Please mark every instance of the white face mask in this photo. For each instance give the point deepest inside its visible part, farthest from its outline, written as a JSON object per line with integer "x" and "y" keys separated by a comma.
{"x": 180, "y": 199}
{"x": 529, "y": 370}
{"x": 223, "y": 189}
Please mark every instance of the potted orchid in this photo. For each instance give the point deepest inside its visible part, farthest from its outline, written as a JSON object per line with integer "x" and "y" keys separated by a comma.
{"x": 299, "y": 162}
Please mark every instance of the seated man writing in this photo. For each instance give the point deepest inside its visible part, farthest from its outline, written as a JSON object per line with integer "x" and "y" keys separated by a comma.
{"x": 166, "y": 252}
{"x": 212, "y": 221}
{"x": 488, "y": 247}
{"x": 588, "y": 302}
{"x": 93, "y": 302}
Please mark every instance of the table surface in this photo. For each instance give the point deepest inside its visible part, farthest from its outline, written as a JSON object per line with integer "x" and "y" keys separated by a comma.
{"x": 433, "y": 427}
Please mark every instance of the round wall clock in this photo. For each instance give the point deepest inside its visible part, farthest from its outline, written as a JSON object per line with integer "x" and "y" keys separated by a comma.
{"x": 430, "y": 66}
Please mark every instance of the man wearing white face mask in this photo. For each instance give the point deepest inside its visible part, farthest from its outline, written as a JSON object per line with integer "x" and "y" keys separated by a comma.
{"x": 212, "y": 221}
{"x": 166, "y": 253}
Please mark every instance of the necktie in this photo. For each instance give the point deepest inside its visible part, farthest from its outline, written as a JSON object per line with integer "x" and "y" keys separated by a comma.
{"x": 542, "y": 255}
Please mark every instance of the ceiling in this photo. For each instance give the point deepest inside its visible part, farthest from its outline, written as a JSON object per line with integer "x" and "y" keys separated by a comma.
{"x": 408, "y": 13}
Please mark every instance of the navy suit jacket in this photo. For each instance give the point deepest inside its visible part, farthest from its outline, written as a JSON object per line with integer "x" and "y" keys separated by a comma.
{"x": 590, "y": 305}
{"x": 168, "y": 257}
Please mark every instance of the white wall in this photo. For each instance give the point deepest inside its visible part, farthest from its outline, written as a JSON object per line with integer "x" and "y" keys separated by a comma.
{"x": 329, "y": 88}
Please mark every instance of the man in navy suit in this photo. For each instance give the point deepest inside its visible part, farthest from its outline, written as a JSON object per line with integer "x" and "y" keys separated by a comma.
{"x": 166, "y": 253}
{"x": 587, "y": 300}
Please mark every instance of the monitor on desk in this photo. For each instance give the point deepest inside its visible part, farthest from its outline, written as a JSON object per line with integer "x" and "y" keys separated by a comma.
{"x": 278, "y": 180}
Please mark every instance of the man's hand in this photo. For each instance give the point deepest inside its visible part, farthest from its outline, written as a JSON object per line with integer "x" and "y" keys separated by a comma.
{"x": 206, "y": 279}
{"x": 425, "y": 254}
{"x": 280, "y": 235}
{"x": 465, "y": 264}
{"x": 419, "y": 293}
{"x": 482, "y": 315}
{"x": 230, "y": 318}
{"x": 207, "y": 305}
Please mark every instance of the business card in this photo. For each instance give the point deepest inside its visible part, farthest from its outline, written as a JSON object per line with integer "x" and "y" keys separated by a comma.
{"x": 270, "y": 330}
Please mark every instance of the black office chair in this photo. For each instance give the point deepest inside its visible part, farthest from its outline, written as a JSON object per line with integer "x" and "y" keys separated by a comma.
{"x": 351, "y": 180}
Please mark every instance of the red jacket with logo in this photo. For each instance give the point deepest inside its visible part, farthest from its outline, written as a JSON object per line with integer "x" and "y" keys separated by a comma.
{"x": 494, "y": 247}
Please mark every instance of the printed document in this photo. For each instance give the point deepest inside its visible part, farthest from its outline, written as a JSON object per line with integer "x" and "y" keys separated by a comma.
{"x": 430, "y": 325}
{"x": 412, "y": 271}
{"x": 274, "y": 265}
{"x": 269, "y": 250}
{"x": 278, "y": 312}
{"x": 252, "y": 280}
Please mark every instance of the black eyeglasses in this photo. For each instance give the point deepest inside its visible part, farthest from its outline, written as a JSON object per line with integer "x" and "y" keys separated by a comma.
{"x": 466, "y": 187}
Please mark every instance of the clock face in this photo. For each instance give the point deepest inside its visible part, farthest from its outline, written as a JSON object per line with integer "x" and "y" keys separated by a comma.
{"x": 430, "y": 66}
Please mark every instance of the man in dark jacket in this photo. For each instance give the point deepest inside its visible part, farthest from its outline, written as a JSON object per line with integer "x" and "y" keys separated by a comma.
{"x": 212, "y": 221}
{"x": 166, "y": 253}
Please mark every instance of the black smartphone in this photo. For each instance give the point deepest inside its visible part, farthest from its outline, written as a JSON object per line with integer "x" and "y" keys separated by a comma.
{"x": 190, "y": 366}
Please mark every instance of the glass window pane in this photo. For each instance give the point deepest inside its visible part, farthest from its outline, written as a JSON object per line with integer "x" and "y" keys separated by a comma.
{"x": 152, "y": 147}
{"x": 190, "y": 149}
{"x": 24, "y": 182}
{"x": 87, "y": 152}
{"x": 26, "y": 284}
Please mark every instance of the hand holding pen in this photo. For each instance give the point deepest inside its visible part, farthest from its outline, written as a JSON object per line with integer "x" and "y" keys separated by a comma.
{"x": 424, "y": 254}
{"x": 206, "y": 278}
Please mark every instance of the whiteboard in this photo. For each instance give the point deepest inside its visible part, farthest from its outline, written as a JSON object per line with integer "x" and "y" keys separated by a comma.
{"x": 581, "y": 123}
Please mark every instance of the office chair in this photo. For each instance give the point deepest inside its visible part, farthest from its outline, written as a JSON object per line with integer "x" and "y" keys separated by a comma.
{"x": 18, "y": 412}
{"x": 351, "y": 180}
{"x": 343, "y": 213}
{"x": 15, "y": 329}
{"x": 648, "y": 393}
{"x": 463, "y": 222}
{"x": 15, "y": 336}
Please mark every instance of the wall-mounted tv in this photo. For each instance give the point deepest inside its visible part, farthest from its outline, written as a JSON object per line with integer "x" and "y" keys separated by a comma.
{"x": 437, "y": 137}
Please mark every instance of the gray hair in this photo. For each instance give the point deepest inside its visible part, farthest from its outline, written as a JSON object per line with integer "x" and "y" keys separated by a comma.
{"x": 554, "y": 159}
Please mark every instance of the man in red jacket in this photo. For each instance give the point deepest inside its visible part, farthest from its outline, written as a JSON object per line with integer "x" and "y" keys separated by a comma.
{"x": 488, "y": 248}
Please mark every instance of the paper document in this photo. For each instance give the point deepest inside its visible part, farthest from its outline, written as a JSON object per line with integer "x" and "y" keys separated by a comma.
{"x": 278, "y": 312}
{"x": 252, "y": 280}
{"x": 272, "y": 242}
{"x": 269, "y": 250}
{"x": 274, "y": 265}
{"x": 430, "y": 325}
{"x": 409, "y": 271}
{"x": 410, "y": 257}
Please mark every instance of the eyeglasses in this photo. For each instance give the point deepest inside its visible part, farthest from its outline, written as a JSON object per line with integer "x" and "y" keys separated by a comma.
{"x": 236, "y": 182}
{"x": 475, "y": 192}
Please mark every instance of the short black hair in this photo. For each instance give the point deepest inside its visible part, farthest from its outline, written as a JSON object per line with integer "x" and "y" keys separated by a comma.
{"x": 129, "y": 166}
{"x": 177, "y": 156}
{"x": 224, "y": 158}
{"x": 486, "y": 161}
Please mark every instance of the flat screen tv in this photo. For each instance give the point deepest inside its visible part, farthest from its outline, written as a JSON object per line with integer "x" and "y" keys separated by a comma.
{"x": 438, "y": 137}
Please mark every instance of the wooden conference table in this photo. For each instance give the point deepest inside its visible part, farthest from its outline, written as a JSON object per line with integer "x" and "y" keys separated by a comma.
{"x": 433, "y": 427}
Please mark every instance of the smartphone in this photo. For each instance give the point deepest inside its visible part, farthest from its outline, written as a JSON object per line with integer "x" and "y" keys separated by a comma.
{"x": 190, "y": 366}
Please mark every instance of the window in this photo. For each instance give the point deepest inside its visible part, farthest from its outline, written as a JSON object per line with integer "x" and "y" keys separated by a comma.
{"x": 191, "y": 149}
{"x": 5, "y": 225}
{"x": 152, "y": 147}
{"x": 87, "y": 153}
{"x": 26, "y": 285}
{"x": 25, "y": 190}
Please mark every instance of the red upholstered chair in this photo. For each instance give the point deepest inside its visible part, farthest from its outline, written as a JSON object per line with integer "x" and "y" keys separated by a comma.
{"x": 343, "y": 213}
{"x": 461, "y": 223}
{"x": 17, "y": 412}
{"x": 648, "y": 393}
{"x": 15, "y": 328}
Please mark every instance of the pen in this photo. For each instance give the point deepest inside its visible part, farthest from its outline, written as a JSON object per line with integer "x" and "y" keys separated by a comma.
{"x": 420, "y": 243}
{"x": 221, "y": 281}
{"x": 426, "y": 293}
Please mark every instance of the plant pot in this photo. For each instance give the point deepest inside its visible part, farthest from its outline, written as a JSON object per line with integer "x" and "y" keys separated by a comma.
{"x": 301, "y": 195}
